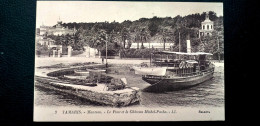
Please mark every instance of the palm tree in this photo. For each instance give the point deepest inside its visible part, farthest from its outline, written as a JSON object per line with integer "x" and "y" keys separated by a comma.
{"x": 137, "y": 37}
{"x": 124, "y": 35}
{"x": 166, "y": 35}
{"x": 145, "y": 35}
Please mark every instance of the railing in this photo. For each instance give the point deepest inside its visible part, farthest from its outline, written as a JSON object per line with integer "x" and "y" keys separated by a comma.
{"x": 165, "y": 63}
{"x": 199, "y": 73}
{"x": 184, "y": 72}
{"x": 190, "y": 74}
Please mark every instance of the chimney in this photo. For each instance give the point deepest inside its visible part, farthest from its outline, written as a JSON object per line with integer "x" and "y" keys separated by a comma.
{"x": 188, "y": 46}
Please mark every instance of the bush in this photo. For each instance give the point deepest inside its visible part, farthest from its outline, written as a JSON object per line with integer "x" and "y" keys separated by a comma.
{"x": 76, "y": 52}
{"x": 136, "y": 53}
{"x": 61, "y": 72}
{"x": 42, "y": 50}
{"x": 109, "y": 52}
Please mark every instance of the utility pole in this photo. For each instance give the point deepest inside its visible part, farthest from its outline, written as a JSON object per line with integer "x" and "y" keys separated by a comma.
{"x": 164, "y": 43}
{"x": 218, "y": 49}
{"x": 179, "y": 42}
{"x": 149, "y": 44}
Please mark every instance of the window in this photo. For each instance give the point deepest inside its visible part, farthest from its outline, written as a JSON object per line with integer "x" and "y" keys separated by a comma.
{"x": 207, "y": 26}
{"x": 203, "y": 26}
{"x": 211, "y": 27}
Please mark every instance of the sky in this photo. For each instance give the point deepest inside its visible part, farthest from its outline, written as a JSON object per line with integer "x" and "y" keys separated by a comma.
{"x": 49, "y": 12}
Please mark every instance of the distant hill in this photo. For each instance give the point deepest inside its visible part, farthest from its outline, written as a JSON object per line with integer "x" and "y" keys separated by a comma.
{"x": 154, "y": 26}
{"x": 144, "y": 30}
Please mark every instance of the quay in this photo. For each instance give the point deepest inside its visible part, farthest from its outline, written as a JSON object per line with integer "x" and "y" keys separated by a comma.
{"x": 97, "y": 94}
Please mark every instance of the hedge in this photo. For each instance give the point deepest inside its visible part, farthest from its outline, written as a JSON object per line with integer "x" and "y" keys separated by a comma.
{"x": 136, "y": 53}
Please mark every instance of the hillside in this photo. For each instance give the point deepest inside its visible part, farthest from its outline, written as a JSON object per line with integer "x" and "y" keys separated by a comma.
{"x": 156, "y": 29}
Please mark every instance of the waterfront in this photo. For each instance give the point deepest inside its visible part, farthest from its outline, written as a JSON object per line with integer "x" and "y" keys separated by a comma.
{"x": 207, "y": 94}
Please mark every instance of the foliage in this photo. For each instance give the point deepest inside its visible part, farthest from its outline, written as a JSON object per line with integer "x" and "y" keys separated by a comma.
{"x": 41, "y": 49}
{"x": 109, "y": 52}
{"x": 120, "y": 36}
{"x": 76, "y": 52}
{"x": 136, "y": 53}
{"x": 61, "y": 72}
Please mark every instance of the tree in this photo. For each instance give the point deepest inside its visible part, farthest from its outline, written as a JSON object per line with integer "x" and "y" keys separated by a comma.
{"x": 58, "y": 40}
{"x": 140, "y": 31}
{"x": 144, "y": 35}
{"x": 166, "y": 35}
{"x": 153, "y": 26}
{"x": 100, "y": 39}
{"x": 66, "y": 40}
{"x": 125, "y": 36}
{"x": 114, "y": 38}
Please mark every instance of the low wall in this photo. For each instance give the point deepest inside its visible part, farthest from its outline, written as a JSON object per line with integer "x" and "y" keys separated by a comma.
{"x": 97, "y": 93}
{"x": 71, "y": 70}
{"x": 116, "y": 98}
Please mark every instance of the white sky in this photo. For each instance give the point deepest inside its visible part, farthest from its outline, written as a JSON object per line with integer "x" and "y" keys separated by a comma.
{"x": 48, "y": 12}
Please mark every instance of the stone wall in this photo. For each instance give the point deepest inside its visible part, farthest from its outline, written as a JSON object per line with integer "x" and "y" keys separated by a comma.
{"x": 117, "y": 98}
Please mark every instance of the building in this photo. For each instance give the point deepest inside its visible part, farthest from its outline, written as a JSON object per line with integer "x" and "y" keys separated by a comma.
{"x": 57, "y": 30}
{"x": 207, "y": 26}
{"x": 47, "y": 42}
{"x": 90, "y": 52}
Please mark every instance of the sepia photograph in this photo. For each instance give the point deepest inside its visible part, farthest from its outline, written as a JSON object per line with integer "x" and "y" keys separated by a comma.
{"x": 129, "y": 61}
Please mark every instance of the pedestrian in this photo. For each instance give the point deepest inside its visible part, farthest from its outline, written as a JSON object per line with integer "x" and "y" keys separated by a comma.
{"x": 102, "y": 60}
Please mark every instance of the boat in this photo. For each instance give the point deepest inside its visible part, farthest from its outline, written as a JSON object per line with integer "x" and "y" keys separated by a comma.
{"x": 151, "y": 71}
{"x": 177, "y": 70}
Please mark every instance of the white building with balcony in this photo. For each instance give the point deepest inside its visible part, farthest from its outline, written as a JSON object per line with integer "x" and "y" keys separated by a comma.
{"x": 207, "y": 26}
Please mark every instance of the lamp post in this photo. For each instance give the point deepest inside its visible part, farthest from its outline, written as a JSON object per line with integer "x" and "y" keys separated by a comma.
{"x": 179, "y": 42}
{"x": 106, "y": 49}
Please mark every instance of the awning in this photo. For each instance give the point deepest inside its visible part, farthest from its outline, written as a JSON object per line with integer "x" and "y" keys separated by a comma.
{"x": 182, "y": 53}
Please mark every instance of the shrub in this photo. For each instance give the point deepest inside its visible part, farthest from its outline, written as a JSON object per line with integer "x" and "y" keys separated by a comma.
{"x": 60, "y": 73}
{"x": 42, "y": 50}
{"x": 136, "y": 53}
{"x": 76, "y": 52}
{"x": 109, "y": 52}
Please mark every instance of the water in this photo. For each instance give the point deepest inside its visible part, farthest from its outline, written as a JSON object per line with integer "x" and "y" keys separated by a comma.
{"x": 207, "y": 94}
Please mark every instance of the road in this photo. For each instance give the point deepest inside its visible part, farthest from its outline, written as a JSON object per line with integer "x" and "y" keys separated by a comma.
{"x": 47, "y": 61}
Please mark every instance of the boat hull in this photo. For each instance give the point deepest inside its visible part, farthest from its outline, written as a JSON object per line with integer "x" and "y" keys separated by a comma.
{"x": 177, "y": 83}
{"x": 158, "y": 71}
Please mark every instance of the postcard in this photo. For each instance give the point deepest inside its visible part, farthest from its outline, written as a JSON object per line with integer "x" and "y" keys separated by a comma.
{"x": 129, "y": 61}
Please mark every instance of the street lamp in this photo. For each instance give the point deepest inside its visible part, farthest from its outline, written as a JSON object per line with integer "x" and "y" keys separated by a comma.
{"x": 179, "y": 42}
{"x": 106, "y": 49}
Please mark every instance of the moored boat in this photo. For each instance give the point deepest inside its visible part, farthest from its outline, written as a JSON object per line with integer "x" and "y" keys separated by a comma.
{"x": 182, "y": 69}
{"x": 159, "y": 71}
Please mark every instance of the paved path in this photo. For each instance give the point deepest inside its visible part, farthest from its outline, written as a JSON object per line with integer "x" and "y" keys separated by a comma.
{"x": 47, "y": 61}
